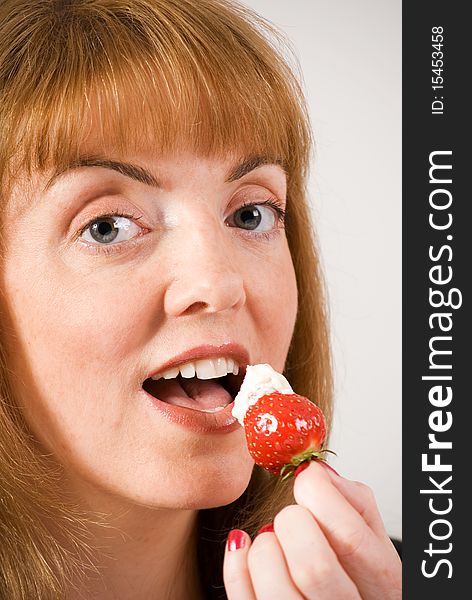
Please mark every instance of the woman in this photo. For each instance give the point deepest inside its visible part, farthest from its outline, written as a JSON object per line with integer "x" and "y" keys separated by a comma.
{"x": 153, "y": 160}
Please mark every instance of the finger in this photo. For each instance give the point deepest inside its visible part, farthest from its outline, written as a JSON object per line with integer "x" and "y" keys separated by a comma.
{"x": 235, "y": 569}
{"x": 313, "y": 565}
{"x": 269, "y": 572}
{"x": 367, "y": 559}
{"x": 360, "y": 496}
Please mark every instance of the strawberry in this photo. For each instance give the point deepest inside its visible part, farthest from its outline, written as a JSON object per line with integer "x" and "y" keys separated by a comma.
{"x": 283, "y": 431}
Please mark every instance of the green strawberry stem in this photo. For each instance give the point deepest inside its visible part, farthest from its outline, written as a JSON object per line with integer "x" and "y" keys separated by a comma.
{"x": 289, "y": 469}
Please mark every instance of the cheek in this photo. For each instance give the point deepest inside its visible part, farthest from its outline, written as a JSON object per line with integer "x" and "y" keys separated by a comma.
{"x": 74, "y": 349}
{"x": 73, "y": 324}
{"x": 274, "y": 306}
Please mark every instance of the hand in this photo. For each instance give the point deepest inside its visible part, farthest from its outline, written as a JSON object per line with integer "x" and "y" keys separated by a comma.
{"x": 330, "y": 545}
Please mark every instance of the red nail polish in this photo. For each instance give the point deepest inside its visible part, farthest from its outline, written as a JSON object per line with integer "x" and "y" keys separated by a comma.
{"x": 301, "y": 468}
{"x": 236, "y": 539}
{"x": 266, "y": 528}
{"x": 329, "y": 467}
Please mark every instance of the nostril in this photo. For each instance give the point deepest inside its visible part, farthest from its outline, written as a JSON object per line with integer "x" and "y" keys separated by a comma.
{"x": 205, "y": 291}
{"x": 195, "y": 308}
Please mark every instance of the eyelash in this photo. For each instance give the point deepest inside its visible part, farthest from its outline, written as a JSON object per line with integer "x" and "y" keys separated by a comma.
{"x": 279, "y": 211}
{"x": 104, "y": 249}
{"x": 109, "y": 249}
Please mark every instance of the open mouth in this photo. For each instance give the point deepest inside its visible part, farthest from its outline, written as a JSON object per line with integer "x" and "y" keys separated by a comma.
{"x": 205, "y": 395}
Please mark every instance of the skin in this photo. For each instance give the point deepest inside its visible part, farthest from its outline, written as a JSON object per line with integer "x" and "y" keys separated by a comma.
{"x": 330, "y": 544}
{"x": 87, "y": 327}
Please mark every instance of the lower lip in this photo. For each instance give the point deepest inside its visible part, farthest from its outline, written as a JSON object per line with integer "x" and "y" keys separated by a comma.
{"x": 195, "y": 420}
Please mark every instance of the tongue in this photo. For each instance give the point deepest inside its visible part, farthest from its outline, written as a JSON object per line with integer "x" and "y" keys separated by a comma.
{"x": 198, "y": 394}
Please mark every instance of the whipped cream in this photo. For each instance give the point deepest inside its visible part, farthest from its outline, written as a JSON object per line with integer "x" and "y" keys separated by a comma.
{"x": 258, "y": 381}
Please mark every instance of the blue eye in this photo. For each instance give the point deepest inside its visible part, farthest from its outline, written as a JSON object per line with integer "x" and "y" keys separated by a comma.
{"x": 263, "y": 216}
{"x": 110, "y": 229}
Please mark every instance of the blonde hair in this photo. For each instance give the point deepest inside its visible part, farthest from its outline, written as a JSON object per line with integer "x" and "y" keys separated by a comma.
{"x": 208, "y": 76}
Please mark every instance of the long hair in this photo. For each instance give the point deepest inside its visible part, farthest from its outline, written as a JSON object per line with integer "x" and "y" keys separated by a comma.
{"x": 209, "y": 77}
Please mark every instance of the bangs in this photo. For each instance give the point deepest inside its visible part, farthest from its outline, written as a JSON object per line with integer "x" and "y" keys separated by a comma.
{"x": 170, "y": 76}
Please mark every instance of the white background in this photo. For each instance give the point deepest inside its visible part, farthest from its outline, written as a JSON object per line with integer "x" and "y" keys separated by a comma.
{"x": 350, "y": 56}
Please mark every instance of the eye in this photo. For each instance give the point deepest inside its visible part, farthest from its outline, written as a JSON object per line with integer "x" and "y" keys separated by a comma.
{"x": 109, "y": 230}
{"x": 263, "y": 216}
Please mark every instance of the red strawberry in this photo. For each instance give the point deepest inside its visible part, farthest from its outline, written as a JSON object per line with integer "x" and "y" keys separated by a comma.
{"x": 283, "y": 431}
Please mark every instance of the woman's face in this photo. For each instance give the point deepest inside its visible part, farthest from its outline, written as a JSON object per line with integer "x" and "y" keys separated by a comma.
{"x": 98, "y": 303}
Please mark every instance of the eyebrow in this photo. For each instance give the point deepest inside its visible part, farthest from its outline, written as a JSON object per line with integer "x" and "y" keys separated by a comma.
{"x": 127, "y": 169}
{"x": 249, "y": 164}
{"x": 144, "y": 176}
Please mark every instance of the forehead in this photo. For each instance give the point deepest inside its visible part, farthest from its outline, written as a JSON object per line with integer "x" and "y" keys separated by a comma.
{"x": 102, "y": 134}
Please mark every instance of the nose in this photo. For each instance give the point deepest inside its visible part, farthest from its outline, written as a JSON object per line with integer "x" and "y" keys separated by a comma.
{"x": 205, "y": 275}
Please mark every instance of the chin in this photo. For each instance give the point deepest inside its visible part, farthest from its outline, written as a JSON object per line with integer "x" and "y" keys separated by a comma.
{"x": 204, "y": 501}
{"x": 197, "y": 480}
{"x": 213, "y": 488}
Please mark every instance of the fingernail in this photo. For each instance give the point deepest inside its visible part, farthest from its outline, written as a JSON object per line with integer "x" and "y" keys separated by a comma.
{"x": 236, "y": 539}
{"x": 301, "y": 468}
{"x": 266, "y": 528}
{"x": 329, "y": 467}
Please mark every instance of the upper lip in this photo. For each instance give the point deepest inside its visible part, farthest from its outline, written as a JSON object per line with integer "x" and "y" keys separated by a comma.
{"x": 232, "y": 350}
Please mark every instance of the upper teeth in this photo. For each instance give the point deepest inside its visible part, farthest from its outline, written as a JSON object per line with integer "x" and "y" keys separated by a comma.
{"x": 206, "y": 368}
